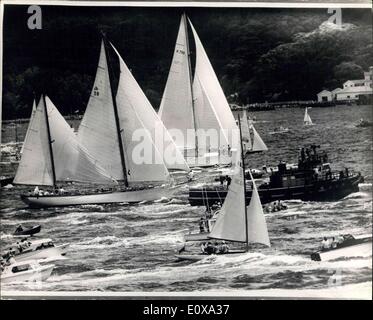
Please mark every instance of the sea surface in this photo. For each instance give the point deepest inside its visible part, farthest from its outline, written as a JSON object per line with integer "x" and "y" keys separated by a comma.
{"x": 130, "y": 248}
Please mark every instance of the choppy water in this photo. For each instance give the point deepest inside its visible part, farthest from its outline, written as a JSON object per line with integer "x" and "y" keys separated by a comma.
{"x": 131, "y": 248}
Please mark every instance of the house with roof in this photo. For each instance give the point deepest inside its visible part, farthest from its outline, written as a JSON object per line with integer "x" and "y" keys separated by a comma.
{"x": 353, "y": 90}
{"x": 324, "y": 96}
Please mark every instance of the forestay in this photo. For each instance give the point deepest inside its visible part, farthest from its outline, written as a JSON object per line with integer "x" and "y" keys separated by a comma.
{"x": 28, "y": 128}
{"x": 97, "y": 131}
{"x": 176, "y": 110}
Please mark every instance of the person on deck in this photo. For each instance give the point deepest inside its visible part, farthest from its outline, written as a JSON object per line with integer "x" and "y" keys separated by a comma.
{"x": 19, "y": 228}
{"x": 224, "y": 248}
{"x": 325, "y": 244}
{"x": 334, "y": 243}
{"x": 229, "y": 180}
{"x": 210, "y": 249}
{"x": 36, "y": 191}
{"x": 202, "y": 225}
{"x": 203, "y": 247}
{"x": 221, "y": 178}
{"x": 302, "y": 155}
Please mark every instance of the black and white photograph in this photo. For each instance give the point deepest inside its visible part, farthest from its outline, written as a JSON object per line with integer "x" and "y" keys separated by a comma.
{"x": 181, "y": 149}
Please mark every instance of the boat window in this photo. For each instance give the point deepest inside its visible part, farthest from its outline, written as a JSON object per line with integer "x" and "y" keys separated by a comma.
{"x": 23, "y": 267}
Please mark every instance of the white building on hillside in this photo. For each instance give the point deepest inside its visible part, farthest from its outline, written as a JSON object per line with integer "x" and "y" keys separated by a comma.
{"x": 361, "y": 89}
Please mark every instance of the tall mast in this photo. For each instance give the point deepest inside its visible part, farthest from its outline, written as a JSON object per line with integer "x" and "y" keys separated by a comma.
{"x": 244, "y": 184}
{"x": 191, "y": 81}
{"x": 50, "y": 143}
{"x": 117, "y": 123}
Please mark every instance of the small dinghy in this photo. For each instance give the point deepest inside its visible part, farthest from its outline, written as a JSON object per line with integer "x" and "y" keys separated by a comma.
{"x": 21, "y": 231}
{"x": 344, "y": 247}
{"x": 27, "y": 249}
{"x": 25, "y": 271}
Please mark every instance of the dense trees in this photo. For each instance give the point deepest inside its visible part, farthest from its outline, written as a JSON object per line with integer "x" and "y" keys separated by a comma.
{"x": 258, "y": 54}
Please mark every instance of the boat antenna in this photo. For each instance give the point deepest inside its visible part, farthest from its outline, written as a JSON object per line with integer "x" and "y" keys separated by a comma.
{"x": 49, "y": 142}
{"x": 184, "y": 17}
{"x": 117, "y": 123}
{"x": 244, "y": 185}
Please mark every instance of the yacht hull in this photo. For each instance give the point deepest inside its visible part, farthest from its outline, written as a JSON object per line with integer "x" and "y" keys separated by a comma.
{"x": 198, "y": 257}
{"x": 133, "y": 196}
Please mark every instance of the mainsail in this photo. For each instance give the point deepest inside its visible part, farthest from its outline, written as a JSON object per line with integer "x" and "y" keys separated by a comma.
{"x": 176, "y": 109}
{"x": 28, "y": 129}
{"x": 231, "y": 222}
{"x": 97, "y": 131}
{"x": 307, "y": 119}
{"x": 134, "y": 106}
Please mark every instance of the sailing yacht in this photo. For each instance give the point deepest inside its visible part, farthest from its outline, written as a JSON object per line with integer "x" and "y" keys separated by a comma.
{"x": 101, "y": 153}
{"x": 251, "y": 144}
{"x": 307, "y": 119}
{"x": 196, "y": 107}
{"x": 236, "y": 221}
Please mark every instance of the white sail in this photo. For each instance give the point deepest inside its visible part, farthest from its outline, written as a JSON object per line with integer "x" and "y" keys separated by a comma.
{"x": 307, "y": 119}
{"x": 130, "y": 98}
{"x": 230, "y": 224}
{"x": 176, "y": 110}
{"x": 132, "y": 108}
{"x": 97, "y": 131}
{"x": 246, "y": 138}
{"x": 28, "y": 128}
{"x": 71, "y": 161}
{"x": 258, "y": 143}
{"x": 206, "y": 79}
{"x": 35, "y": 167}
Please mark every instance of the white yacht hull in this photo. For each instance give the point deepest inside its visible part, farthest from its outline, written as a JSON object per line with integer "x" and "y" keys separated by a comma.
{"x": 358, "y": 250}
{"x": 43, "y": 253}
{"x": 98, "y": 198}
{"x": 40, "y": 274}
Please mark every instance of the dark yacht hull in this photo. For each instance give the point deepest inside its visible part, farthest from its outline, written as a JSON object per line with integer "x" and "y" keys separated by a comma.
{"x": 324, "y": 190}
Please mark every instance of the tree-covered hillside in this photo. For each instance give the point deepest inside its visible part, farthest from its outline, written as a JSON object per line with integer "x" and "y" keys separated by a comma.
{"x": 261, "y": 54}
